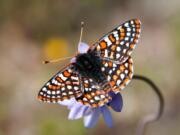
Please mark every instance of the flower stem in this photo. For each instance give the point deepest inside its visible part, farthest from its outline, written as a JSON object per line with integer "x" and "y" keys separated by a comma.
{"x": 154, "y": 117}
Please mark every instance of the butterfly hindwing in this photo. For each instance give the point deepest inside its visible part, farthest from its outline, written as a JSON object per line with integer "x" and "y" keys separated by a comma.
{"x": 118, "y": 75}
{"x": 64, "y": 85}
{"x": 120, "y": 42}
{"x": 93, "y": 95}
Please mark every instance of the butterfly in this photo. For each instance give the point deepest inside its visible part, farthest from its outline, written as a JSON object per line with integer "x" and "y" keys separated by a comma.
{"x": 96, "y": 70}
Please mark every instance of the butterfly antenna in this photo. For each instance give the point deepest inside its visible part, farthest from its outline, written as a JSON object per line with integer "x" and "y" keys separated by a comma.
{"x": 55, "y": 60}
{"x": 60, "y": 59}
{"x": 82, "y": 27}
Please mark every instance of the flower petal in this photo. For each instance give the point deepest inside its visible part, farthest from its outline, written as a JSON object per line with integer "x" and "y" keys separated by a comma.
{"x": 83, "y": 47}
{"x": 91, "y": 119}
{"x": 117, "y": 102}
{"x": 88, "y": 111}
{"x": 67, "y": 102}
{"x": 77, "y": 111}
{"x": 107, "y": 116}
{"x": 73, "y": 60}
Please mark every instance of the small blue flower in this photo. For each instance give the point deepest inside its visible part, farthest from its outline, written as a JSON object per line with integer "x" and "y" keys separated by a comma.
{"x": 91, "y": 115}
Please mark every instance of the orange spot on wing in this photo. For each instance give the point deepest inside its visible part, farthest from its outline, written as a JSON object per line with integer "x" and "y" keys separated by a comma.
{"x": 132, "y": 46}
{"x": 101, "y": 103}
{"x": 85, "y": 103}
{"x": 103, "y": 45}
{"x": 52, "y": 100}
{"x": 88, "y": 96}
{"x": 116, "y": 89}
{"x": 66, "y": 74}
{"x": 122, "y": 34}
{"x": 118, "y": 72}
{"x": 138, "y": 26}
{"x": 112, "y": 83}
{"x": 122, "y": 30}
{"x": 50, "y": 86}
{"x": 137, "y": 22}
{"x": 98, "y": 92}
{"x": 135, "y": 40}
{"x": 53, "y": 87}
{"x": 126, "y": 80}
{"x": 64, "y": 98}
{"x": 130, "y": 67}
{"x": 59, "y": 79}
{"x": 110, "y": 64}
{"x": 86, "y": 85}
{"x": 106, "y": 100}
{"x": 138, "y": 30}
{"x": 112, "y": 38}
{"x": 113, "y": 47}
{"x": 94, "y": 105}
{"x": 40, "y": 97}
{"x": 122, "y": 68}
{"x": 115, "y": 77}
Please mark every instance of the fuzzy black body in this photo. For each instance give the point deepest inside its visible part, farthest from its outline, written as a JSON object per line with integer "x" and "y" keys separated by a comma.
{"x": 89, "y": 65}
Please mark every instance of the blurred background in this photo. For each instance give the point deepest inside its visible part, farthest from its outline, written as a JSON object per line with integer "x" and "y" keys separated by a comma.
{"x": 36, "y": 30}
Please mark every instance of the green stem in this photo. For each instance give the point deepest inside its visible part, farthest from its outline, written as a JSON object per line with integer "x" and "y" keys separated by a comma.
{"x": 150, "y": 118}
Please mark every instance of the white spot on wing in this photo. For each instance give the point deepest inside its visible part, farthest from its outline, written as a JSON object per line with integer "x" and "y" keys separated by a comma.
{"x": 118, "y": 48}
{"x": 69, "y": 87}
{"x": 106, "y": 64}
{"x": 76, "y": 88}
{"x": 128, "y": 34}
{"x": 118, "y": 82}
{"x": 107, "y": 41}
{"x": 122, "y": 76}
{"x": 96, "y": 98}
{"x": 106, "y": 53}
{"x": 102, "y": 69}
{"x": 128, "y": 29}
{"x": 126, "y": 24}
{"x": 53, "y": 92}
{"x": 63, "y": 77}
{"x": 44, "y": 89}
{"x": 48, "y": 92}
{"x": 117, "y": 55}
{"x": 122, "y": 43}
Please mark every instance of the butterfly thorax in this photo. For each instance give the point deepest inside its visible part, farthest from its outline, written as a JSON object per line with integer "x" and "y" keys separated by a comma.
{"x": 89, "y": 65}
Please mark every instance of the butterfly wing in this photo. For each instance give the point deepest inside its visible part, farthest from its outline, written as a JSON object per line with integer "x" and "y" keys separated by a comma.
{"x": 93, "y": 95}
{"x": 118, "y": 75}
{"x": 64, "y": 85}
{"x": 68, "y": 83}
{"x": 118, "y": 44}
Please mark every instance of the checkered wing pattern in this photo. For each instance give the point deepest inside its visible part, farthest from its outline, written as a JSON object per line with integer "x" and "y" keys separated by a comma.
{"x": 93, "y": 95}
{"x": 119, "y": 75}
{"x": 120, "y": 42}
{"x": 64, "y": 85}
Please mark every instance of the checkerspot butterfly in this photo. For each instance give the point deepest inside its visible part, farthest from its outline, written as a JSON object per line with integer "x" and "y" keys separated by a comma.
{"x": 101, "y": 68}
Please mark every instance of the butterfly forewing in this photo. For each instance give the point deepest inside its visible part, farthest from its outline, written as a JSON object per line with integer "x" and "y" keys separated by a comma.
{"x": 64, "y": 85}
{"x": 118, "y": 75}
{"x": 119, "y": 43}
